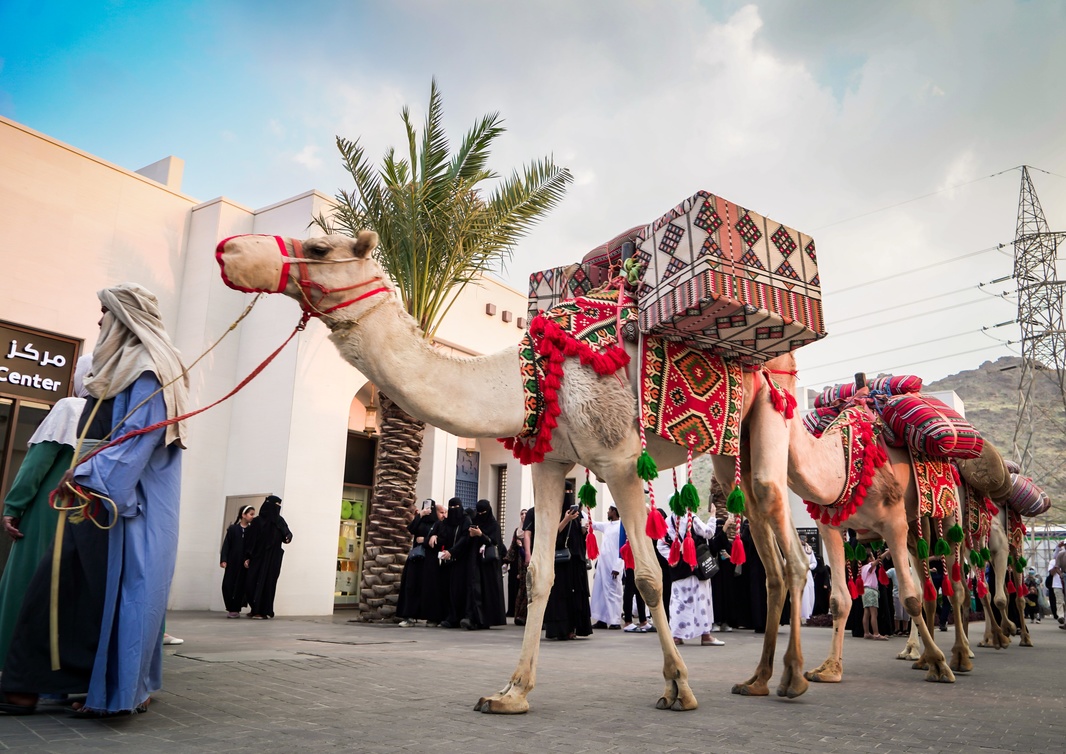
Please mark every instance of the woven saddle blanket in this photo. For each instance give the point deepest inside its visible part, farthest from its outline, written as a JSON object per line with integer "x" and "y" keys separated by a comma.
{"x": 689, "y": 396}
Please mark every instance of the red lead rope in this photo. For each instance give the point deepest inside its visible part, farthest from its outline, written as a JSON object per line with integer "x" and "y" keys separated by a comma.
{"x": 159, "y": 425}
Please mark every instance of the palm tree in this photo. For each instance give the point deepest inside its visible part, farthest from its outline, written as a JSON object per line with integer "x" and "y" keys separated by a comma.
{"x": 438, "y": 231}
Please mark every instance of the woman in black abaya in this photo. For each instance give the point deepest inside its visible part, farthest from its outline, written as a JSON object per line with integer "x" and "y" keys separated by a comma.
{"x": 485, "y": 605}
{"x": 453, "y": 539}
{"x": 568, "y": 613}
{"x": 409, "y": 604}
{"x": 263, "y": 540}
{"x": 234, "y": 558}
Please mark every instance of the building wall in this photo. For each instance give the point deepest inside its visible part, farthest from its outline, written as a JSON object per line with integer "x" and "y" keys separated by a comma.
{"x": 73, "y": 224}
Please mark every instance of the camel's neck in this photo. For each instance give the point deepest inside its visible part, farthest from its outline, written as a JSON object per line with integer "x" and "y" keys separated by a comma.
{"x": 469, "y": 397}
{"x": 815, "y": 465}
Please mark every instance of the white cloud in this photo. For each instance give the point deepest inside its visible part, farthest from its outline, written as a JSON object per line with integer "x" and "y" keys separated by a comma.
{"x": 308, "y": 157}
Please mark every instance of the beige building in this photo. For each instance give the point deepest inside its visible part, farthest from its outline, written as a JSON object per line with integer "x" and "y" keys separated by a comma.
{"x": 71, "y": 224}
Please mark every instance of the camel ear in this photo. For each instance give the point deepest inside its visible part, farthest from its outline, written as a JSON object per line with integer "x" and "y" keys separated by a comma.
{"x": 365, "y": 242}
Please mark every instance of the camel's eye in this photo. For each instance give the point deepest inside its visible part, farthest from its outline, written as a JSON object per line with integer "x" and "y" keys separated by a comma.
{"x": 316, "y": 250}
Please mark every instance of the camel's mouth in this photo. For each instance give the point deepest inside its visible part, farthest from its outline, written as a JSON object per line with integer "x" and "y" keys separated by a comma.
{"x": 254, "y": 263}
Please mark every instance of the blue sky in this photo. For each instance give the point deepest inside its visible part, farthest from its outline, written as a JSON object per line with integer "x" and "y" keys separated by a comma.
{"x": 830, "y": 117}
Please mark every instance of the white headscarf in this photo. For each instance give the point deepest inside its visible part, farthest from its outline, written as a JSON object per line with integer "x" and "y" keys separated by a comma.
{"x": 61, "y": 423}
{"x": 133, "y": 341}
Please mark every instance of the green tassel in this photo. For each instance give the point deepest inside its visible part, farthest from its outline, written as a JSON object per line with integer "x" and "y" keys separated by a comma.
{"x": 690, "y": 497}
{"x": 975, "y": 558}
{"x": 923, "y": 549}
{"x": 1010, "y": 561}
{"x": 955, "y": 534}
{"x": 1021, "y": 562}
{"x": 860, "y": 553}
{"x": 675, "y": 504}
{"x": 849, "y": 551}
{"x": 735, "y": 502}
{"x": 646, "y": 468}
{"x": 877, "y": 545}
{"x": 587, "y": 495}
{"x": 941, "y": 547}
{"x": 985, "y": 555}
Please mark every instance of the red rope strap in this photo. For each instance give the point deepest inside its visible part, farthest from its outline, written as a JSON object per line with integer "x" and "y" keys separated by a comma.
{"x": 159, "y": 425}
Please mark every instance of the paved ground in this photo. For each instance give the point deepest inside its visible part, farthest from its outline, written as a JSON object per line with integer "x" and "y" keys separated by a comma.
{"x": 306, "y": 684}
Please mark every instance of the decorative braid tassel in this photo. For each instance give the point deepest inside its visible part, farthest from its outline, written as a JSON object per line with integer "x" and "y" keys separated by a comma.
{"x": 929, "y": 591}
{"x": 882, "y": 575}
{"x": 646, "y": 468}
{"x": 592, "y": 548}
{"x": 735, "y": 502}
{"x": 956, "y": 572}
{"x": 587, "y": 493}
{"x": 737, "y": 554}
{"x": 688, "y": 549}
{"x": 675, "y": 553}
{"x": 654, "y": 526}
{"x": 947, "y": 588}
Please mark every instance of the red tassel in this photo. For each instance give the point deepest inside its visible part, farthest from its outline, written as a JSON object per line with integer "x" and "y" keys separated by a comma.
{"x": 675, "y": 553}
{"x": 854, "y": 590}
{"x": 688, "y": 550}
{"x": 947, "y": 588}
{"x": 737, "y": 554}
{"x": 626, "y": 551}
{"x": 654, "y": 527}
{"x": 1010, "y": 587}
{"x": 882, "y": 575}
{"x": 956, "y": 572}
{"x": 592, "y": 549}
{"x": 929, "y": 592}
{"x": 982, "y": 589}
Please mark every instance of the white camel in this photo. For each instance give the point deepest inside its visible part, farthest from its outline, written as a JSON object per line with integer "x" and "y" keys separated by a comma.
{"x": 337, "y": 278}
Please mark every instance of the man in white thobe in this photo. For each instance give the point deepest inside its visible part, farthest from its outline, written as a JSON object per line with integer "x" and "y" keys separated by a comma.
{"x": 607, "y": 586}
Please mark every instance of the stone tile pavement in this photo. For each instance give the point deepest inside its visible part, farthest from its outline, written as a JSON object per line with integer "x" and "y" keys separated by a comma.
{"x": 324, "y": 684}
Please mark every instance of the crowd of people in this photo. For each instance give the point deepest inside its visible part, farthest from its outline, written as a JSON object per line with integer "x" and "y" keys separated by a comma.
{"x": 251, "y": 557}
{"x": 453, "y": 577}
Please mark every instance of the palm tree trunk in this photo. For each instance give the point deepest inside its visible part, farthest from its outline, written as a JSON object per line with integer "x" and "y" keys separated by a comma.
{"x": 392, "y": 506}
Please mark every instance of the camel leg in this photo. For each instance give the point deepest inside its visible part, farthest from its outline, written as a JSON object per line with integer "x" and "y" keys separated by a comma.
{"x": 1019, "y": 604}
{"x": 628, "y": 493}
{"x": 960, "y": 650}
{"x": 832, "y": 670}
{"x": 910, "y": 650}
{"x": 932, "y": 660}
{"x": 997, "y": 544}
{"x": 549, "y": 484}
{"x": 995, "y": 636}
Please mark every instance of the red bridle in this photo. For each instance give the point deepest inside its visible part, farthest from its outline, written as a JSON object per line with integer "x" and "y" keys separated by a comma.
{"x": 311, "y": 291}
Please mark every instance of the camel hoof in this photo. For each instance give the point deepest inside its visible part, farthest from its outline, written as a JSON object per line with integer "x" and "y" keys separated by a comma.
{"x": 751, "y": 689}
{"x": 940, "y": 673}
{"x": 663, "y": 703}
{"x": 1026, "y": 641}
{"x": 909, "y": 653}
{"x": 795, "y": 689}
{"x": 501, "y": 705}
{"x": 961, "y": 665}
{"x": 821, "y": 675}
{"x": 920, "y": 665}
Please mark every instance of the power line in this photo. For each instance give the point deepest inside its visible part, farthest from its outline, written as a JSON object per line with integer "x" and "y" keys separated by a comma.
{"x": 849, "y": 377}
{"x": 921, "y": 269}
{"x": 910, "y": 316}
{"x": 917, "y": 198}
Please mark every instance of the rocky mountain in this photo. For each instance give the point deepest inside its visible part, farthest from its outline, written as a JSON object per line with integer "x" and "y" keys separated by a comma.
{"x": 990, "y": 397}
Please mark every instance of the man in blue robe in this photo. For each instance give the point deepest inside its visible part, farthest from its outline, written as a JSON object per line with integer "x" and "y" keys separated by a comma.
{"x": 117, "y": 563}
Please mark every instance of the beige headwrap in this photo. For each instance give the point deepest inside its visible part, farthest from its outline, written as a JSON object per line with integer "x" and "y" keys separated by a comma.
{"x": 132, "y": 341}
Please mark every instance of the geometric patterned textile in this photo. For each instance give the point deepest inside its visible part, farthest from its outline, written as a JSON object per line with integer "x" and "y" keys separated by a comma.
{"x": 1026, "y": 498}
{"x": 937, "y": 481}
{"x": 859, "y": 433}
{"x": 691, "y": 397}
{"x": 548, "y": 288}
{"x": 726, "y": 279}
{"x": 931, "y": 427}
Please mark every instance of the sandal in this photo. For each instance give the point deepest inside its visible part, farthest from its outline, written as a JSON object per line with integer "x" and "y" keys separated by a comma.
{"x": 15, "y": 709}
{"x": 80, "y": 710}
{"x": 678, "y": 642}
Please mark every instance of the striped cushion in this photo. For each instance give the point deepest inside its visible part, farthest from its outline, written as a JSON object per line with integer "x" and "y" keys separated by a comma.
{"x": 818, "y": 419}
{"x": 890, "y": 384}
{"x": 932, "y": 427}
{"x": 1026, "y": 499}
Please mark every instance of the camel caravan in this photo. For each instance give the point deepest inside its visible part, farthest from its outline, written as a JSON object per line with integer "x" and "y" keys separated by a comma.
{"x": 676, "y": 338}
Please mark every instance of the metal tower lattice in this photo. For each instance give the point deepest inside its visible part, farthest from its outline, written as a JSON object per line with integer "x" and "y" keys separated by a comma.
{"x": 1040, "y": 295}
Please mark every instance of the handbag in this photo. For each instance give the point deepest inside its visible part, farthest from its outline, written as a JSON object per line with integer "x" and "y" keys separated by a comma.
{"x": 706, "y": 562}
{"x": 418, "y": 551}
{"x": 562, "y": 554}
{"x": 491, "y": 554}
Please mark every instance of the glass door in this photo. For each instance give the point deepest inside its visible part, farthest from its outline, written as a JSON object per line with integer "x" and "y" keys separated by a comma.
{"x": 350, "y": 545}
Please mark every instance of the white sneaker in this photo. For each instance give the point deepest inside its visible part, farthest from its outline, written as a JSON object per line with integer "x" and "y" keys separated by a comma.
{"x": 168, "y": 639}
{"x": 727, "y": 628}
{"x": 407, "y": 623}
{"x": 631, "y": 628}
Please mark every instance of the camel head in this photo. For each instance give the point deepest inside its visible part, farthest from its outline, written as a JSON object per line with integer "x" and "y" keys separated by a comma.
{"x": 323, "y": 274}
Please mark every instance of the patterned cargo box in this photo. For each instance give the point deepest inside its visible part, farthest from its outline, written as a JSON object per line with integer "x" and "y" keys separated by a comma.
{"x": 722, "y": 277}
{"x": 550, "y": 287}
